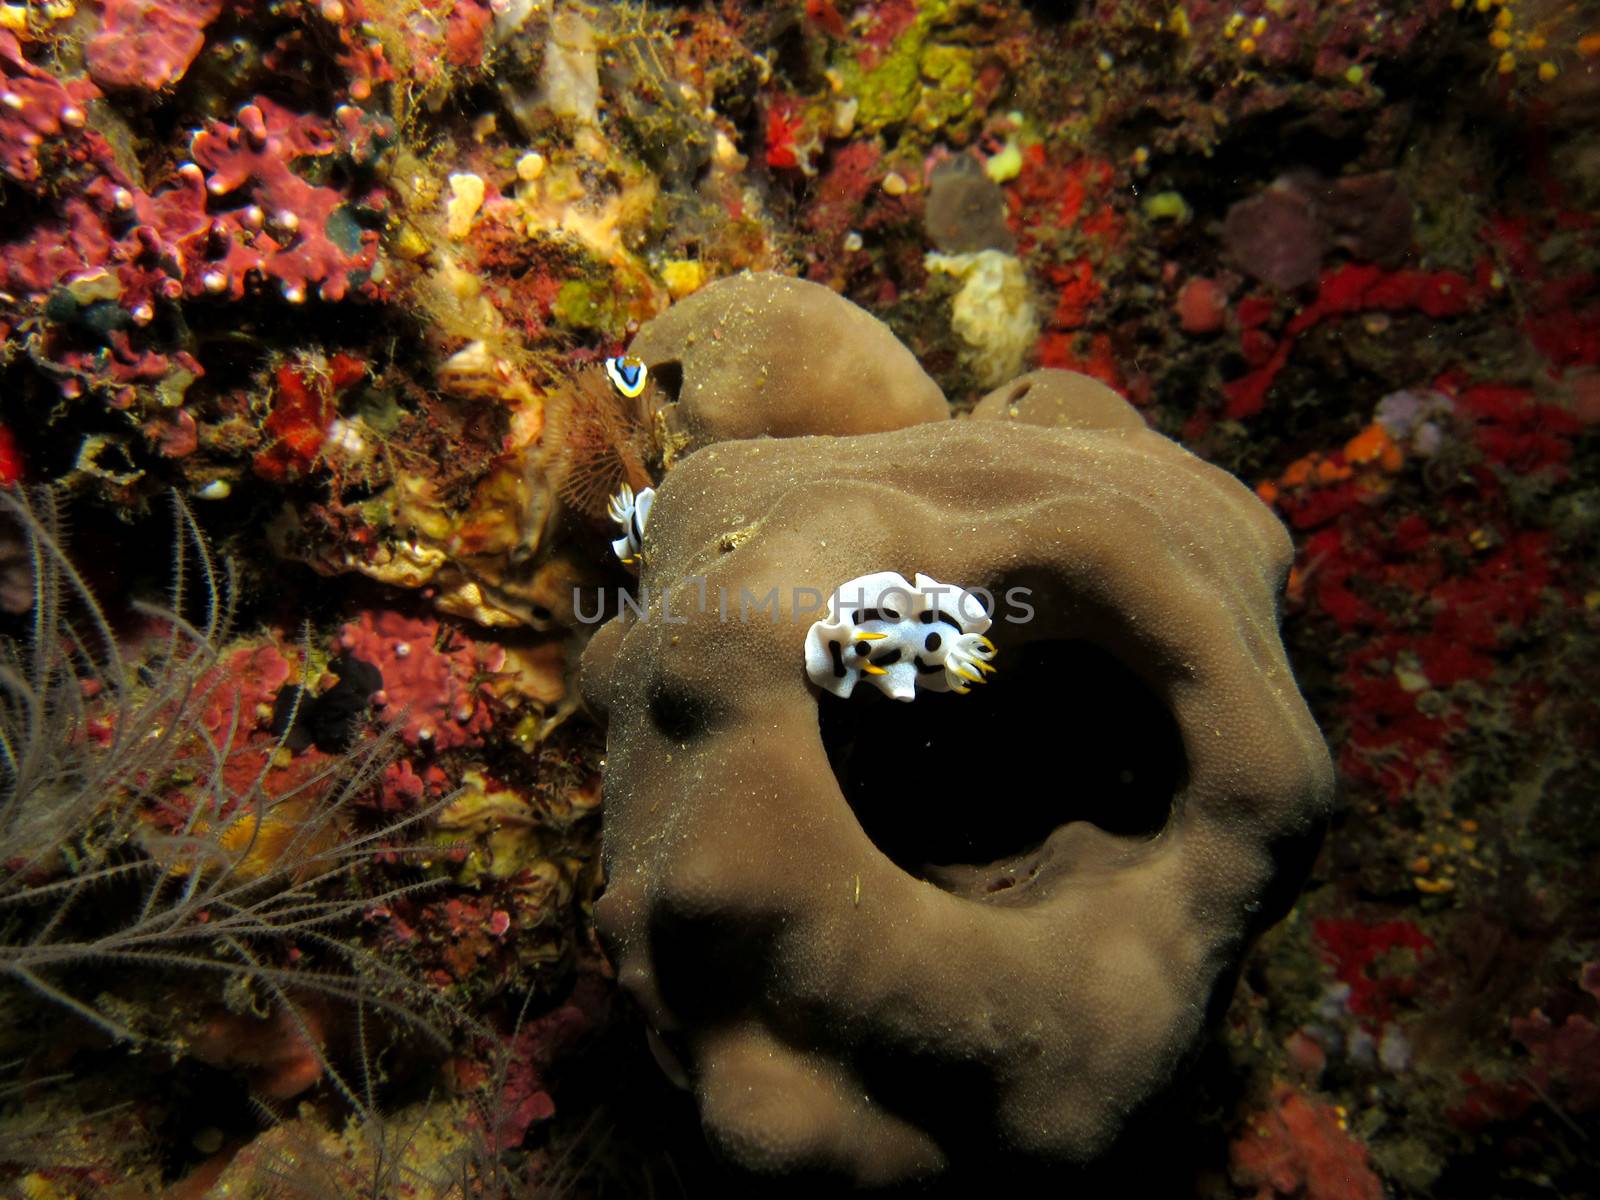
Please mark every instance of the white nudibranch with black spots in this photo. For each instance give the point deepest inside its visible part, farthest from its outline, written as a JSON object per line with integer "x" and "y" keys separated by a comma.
{"x": 628, "y": 375}
{"x": 630, "y": 512}
{"x": 899, "y": 636}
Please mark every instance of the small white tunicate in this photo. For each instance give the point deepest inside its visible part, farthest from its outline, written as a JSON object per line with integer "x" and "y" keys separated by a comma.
{"x": 345, "y": 437}
{"x": 1361, "y": 1047}
{"x": 1334, "y": 1003}
{"x": 570, "y": 81}
{"x": 1394, "y": 1049}
{"x": 466, "y": 198}
{"x": 844, "y": 117}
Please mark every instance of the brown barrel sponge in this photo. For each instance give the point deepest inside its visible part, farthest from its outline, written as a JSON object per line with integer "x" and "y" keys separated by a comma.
{"x": 758, "y": 355}
{"x": 892, "y": 941}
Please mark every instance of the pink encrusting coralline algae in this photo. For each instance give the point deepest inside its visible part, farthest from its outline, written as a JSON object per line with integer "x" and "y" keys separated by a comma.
{"x": 432, "y": 672}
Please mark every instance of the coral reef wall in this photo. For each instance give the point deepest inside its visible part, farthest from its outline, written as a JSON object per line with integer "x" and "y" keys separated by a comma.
{"x": 342, "y": 275}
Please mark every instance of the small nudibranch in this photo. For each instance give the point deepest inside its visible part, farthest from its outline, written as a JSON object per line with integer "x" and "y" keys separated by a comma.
{"x": 628, "y": 375}
{"x": 630, "y": 512}
{"x": 899, "y": 636}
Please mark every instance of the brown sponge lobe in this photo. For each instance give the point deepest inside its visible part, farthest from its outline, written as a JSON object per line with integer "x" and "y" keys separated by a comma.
{"x": 971, "y": 928}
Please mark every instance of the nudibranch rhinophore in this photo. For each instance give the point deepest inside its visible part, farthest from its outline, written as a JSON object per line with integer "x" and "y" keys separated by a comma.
{"x": 628, "y": 375}
{"x": 897, "y": 635}
{"x": 630, "y": 512}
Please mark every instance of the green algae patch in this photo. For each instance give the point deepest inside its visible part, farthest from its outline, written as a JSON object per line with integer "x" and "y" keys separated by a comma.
{"x": 916, "y": 78}
{"x": 1166, "y": 206}
{"x": 949, "y": 73}
{"x": 888, "y": 92}
{"x": 581, "y": 304}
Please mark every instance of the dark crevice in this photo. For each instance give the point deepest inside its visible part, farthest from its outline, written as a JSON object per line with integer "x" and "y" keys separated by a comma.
{"x": 668, "y": 377}
{"x": 1063, "y": 732}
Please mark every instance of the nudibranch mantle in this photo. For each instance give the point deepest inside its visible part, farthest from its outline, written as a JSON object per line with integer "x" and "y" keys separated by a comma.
{"x": 630, "y": 512}
{"x": 628, "y": 375}
{"x": 899, "y": 636}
